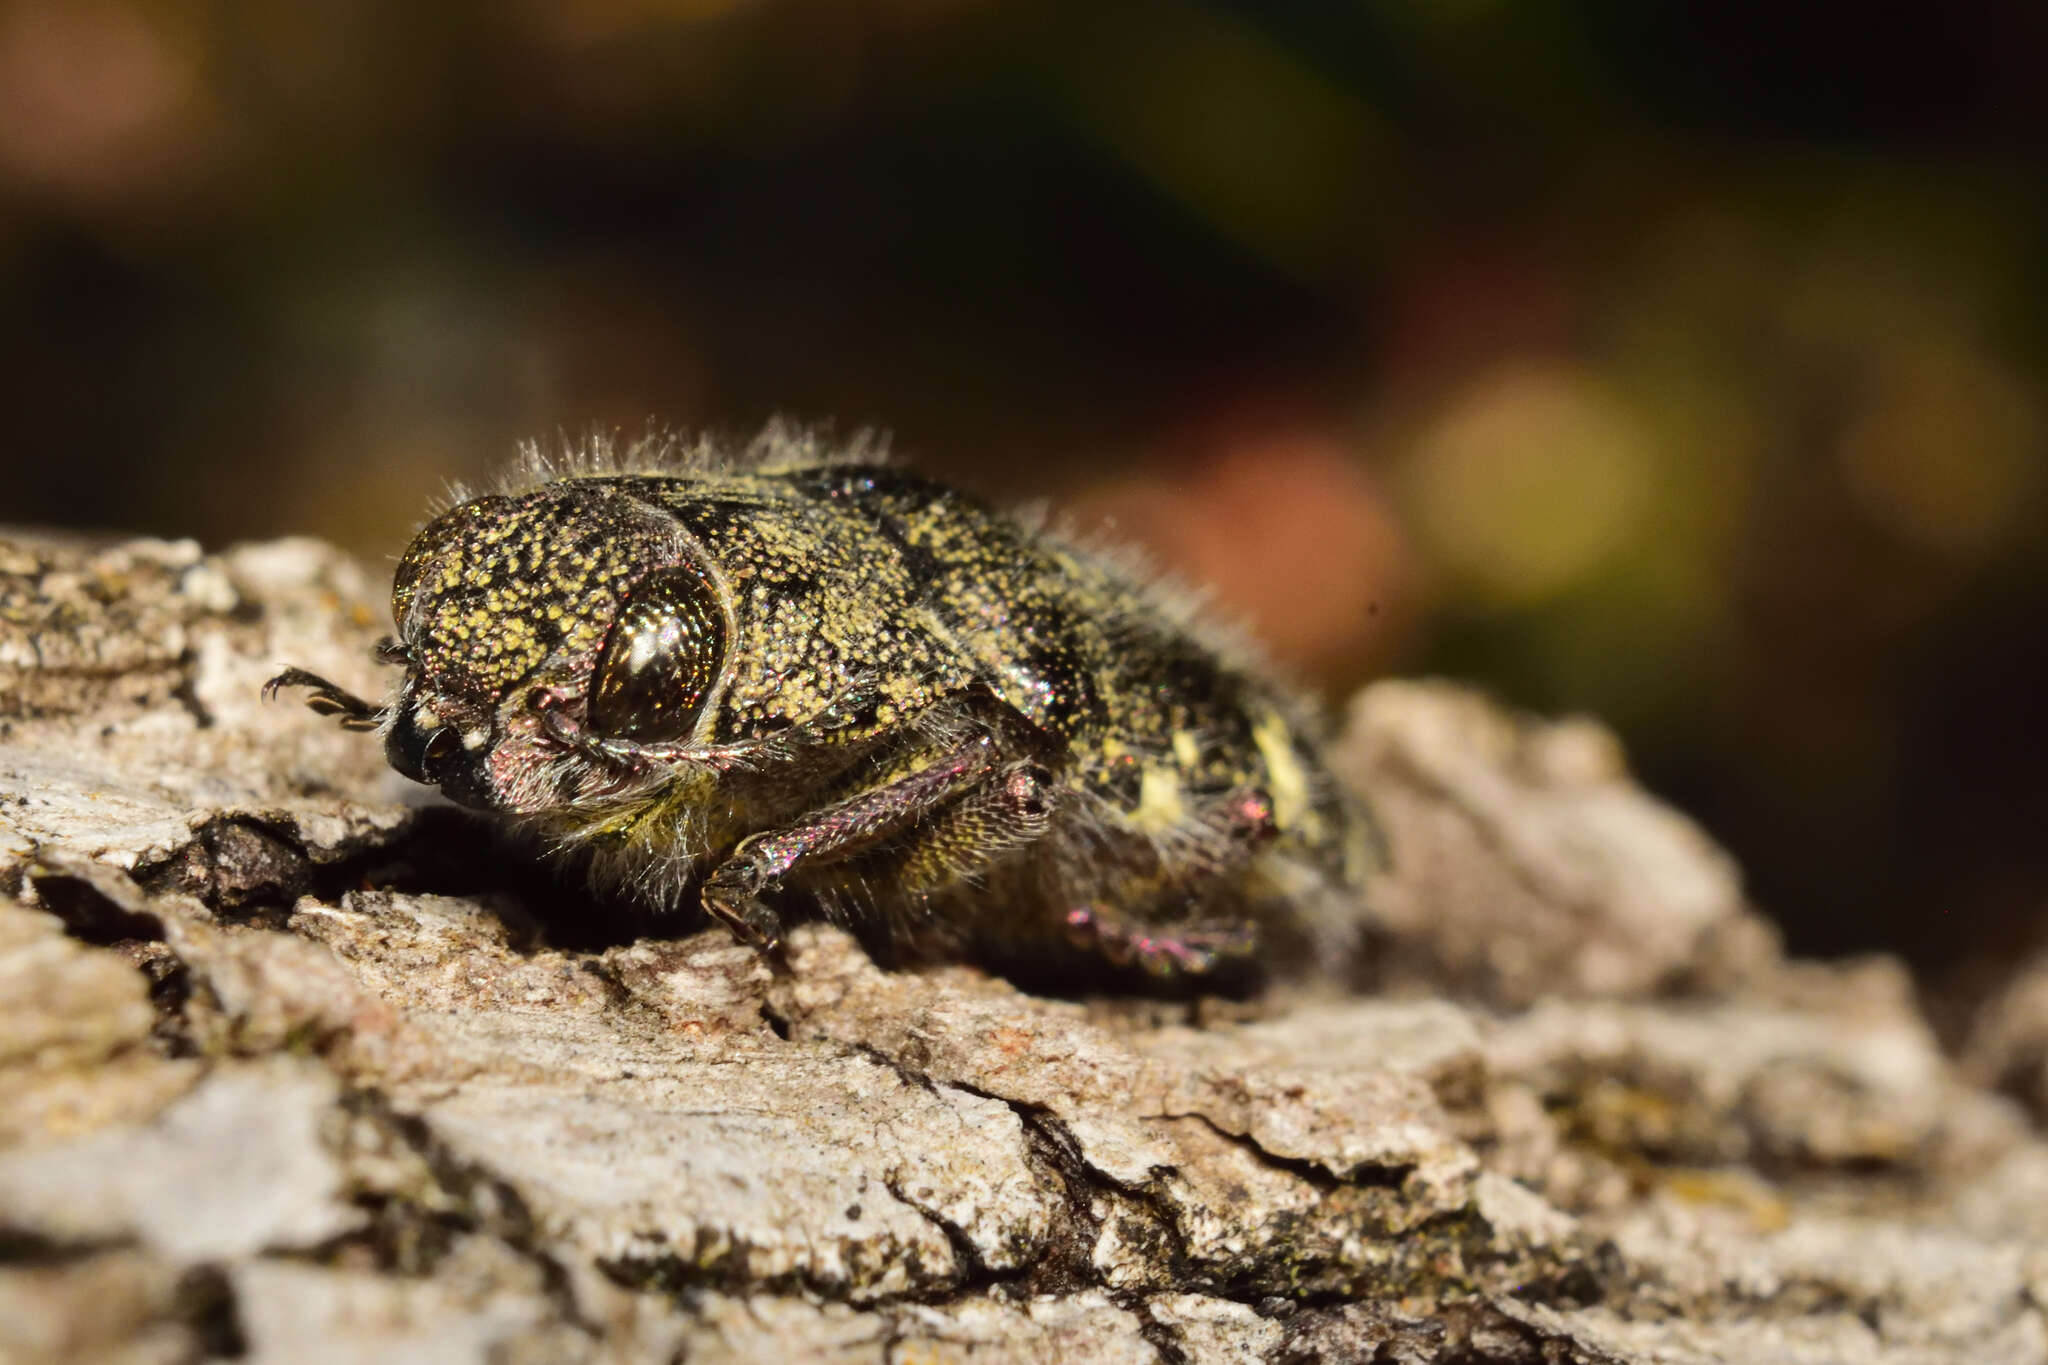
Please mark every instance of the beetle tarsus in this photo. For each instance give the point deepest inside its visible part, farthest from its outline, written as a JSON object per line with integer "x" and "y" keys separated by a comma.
{"x": 328, "y": 699}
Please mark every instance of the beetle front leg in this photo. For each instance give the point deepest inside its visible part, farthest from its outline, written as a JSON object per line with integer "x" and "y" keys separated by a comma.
{"x": 328, "y": 699}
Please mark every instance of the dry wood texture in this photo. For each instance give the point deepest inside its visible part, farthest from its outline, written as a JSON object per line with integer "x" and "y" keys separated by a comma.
{"x": 293, "y": 1068}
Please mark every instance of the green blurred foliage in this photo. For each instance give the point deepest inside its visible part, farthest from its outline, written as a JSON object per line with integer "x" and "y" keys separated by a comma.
{"x": 1679, "y": 363}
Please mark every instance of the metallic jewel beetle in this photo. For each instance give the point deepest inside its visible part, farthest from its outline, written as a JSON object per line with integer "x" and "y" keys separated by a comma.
{"x": 795, "y": 677}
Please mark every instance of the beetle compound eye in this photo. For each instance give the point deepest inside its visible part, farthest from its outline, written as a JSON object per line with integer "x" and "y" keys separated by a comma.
{"x": 660, "y": 660}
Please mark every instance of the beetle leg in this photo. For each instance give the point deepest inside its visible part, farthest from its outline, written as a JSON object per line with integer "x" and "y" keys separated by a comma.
{"x": 844, "y": 714}
{"x": 1182, "y": 950}
{"x": 1233, "y": 828}
{"x": 988, "y": 755}
{"x": 327, "y": 699}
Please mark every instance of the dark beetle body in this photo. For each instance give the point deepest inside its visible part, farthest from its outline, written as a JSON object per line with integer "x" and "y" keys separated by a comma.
{"x": 727, "y": 682}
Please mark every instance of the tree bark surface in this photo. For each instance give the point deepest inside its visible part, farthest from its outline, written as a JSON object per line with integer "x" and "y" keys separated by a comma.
{"x": 294, "y": 1067}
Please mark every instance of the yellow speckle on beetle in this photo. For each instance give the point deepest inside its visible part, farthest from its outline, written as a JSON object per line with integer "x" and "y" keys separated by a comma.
{"x": 1290, "y": 788}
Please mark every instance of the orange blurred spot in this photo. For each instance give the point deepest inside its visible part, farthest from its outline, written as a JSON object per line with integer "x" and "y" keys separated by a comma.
{"x": 1287, "y": 533}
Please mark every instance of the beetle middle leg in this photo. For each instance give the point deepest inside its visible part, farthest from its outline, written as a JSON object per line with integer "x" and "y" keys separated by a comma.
{"x": 996, "y": 754}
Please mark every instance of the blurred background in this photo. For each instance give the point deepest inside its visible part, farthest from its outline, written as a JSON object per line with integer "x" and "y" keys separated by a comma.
{"x": 1678, "y": 363}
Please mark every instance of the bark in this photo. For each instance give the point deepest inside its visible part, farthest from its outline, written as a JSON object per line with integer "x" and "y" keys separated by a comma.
{"x": 294, "y": 1067}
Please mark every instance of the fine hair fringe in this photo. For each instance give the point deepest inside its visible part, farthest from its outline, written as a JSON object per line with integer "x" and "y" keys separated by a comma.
{"x": 782, "y": 443}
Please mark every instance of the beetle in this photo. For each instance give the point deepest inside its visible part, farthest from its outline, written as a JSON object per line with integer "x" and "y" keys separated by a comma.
{"x": 791, "y": 675}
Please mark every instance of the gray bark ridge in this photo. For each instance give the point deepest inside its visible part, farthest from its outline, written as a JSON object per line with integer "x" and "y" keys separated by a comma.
{"x": 263, "y": 1097}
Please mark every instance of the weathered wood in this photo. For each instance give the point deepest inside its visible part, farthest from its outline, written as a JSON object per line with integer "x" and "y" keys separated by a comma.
{"x": 288, "y": 1069}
